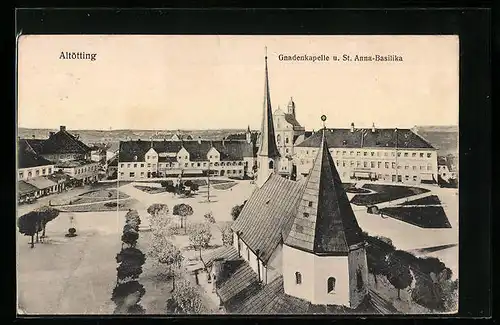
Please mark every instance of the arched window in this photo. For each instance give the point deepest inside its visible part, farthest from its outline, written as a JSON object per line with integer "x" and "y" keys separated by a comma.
{"x": 331, "y": 284}
{"x": 298, "y": 278}
{"x": 278, "y": 139}
{"x": 286, "y": 140}
{"x": 271, "y": 164}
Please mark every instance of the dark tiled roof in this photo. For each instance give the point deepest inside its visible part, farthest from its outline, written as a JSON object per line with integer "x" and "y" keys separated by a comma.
{"x": 25, "y": 188}
{"x": 267, "y": 216}
{"x": 27, "y": 158}
{"x": 35, "y": 144}
{"x": 237, "y": 136}
{"x": 381, "y": 138}
{"x": 113, "y": 161}
{"x": 239, "y": 282}
{"x": 228, "y": 253}
{"x": 62, "y": 142}
{"x": 325, "y": 222}
{"x": 231, "y": 150}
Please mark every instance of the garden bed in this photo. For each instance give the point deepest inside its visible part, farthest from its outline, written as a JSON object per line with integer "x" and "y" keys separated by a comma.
{"x": 423, "y": 217}
{"x": 385, "y": 193}
{"x": 98, "y": 196}
{"x": 150, "y": 189}
{"x": 123, "y": 205}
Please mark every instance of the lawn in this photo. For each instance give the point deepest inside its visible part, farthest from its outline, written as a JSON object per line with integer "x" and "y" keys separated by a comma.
{"x": 386, "y": 193}
{"x": 224, "y": 186}
{"x": 423, "y": 217}
{"x": 428, "y": 200}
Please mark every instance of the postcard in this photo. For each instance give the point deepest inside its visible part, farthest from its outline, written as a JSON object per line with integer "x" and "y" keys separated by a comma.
{"x": 216, "y": 174}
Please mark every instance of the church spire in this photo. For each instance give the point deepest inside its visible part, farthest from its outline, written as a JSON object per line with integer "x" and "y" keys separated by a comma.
{"x": 268, "y": 147}
{"x": 332, "y": 227}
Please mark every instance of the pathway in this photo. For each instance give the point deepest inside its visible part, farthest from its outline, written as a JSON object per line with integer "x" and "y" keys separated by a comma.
{"x": 402, "y": 200}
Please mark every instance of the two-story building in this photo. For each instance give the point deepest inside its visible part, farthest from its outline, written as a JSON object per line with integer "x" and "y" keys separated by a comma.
{"x": 389, "y": 155}
{"x": 170, "y": 158}
{"x": 33, "y": 173}
{"x": 67, "y": 153}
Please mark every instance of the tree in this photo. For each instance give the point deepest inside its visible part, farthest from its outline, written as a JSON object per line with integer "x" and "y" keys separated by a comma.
{"x": 170, "y": 256}
{"x": 182, "y": 210}
{"x": 160, "y": 218}
{"x": 200, "y": 237}
{"x": 227, "y": 235}
{"x": 132, "y": 218}
{"x": 398, "y": 271}
{"x": 188, "y": 183}
{"x": 185, "y": 299}
{"x": 29, "y": 225}
{"x": 236, "y": 210}
{"x": 130, "y": 237}
{"x": 194, "y": 187}
{"x": 46, "y": 214}
{"x": 126, "y": 295}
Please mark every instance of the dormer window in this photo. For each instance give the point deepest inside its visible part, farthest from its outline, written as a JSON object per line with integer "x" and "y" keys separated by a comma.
{"x": 306, "y": 215}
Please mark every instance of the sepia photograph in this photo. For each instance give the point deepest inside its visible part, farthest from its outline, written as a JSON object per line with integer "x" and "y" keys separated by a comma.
{"x": 237, "y": 174}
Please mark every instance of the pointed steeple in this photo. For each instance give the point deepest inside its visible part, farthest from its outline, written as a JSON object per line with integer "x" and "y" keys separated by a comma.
{"x": 325, "y": 222}
{"x": 268, "y": 147}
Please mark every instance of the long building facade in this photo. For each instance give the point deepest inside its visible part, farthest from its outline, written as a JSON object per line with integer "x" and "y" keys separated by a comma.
{"x": 140, "y": 159}
{"x": 389, "y": 155}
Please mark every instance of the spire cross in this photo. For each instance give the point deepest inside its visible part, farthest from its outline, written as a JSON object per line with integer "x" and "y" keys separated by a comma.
{"x": 265, "y": 48}
{"x": 323, "y": 118}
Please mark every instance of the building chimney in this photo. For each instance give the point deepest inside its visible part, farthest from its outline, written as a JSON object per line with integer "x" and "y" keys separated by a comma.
{"x": 373, "y": 127}
{"x": 223, "y": 141}
{"x": 62, "y": 128}
{"x": 51, "y": 133}
{"x": 199, "y": 139}
{"x": 352, "y": 127}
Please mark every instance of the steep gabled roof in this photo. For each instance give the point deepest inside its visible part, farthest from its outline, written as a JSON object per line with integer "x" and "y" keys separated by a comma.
{"x": 63, "y": 142}
{"x": 292, "y": 120}
{"x": 267, "y": 215}
{"x": 268, "y": 147}
{"x": 365, "y": 138}
{"x": 27, "y": 158}
{"x": 324, "y": 222}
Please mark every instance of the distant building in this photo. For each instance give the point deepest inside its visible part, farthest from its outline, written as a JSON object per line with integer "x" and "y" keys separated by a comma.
{"x": 390, "y": 155}
{"x": 33, "y": 173}
{"x": 67, "y": 153}
{"x": 179, "y": 136}
{"x": 448, "y": 167}
{"x": 168, "y": 158}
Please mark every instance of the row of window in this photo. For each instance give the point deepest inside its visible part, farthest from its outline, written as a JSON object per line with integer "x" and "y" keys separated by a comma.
{"x": 142, "y": 174}
{"x": 330, "y": 282}
{"x": 167, "y": 165}
{"x": 86, "y": 169}
{"x": 44, "y": 171}
{"x": 378, "y": 164}
{"x": 374, "y": 153}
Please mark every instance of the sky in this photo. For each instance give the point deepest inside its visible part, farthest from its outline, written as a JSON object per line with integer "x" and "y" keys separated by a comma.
{"x": 211, "y": 82}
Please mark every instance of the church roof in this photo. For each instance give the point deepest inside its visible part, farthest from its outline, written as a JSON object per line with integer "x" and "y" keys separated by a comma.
{"x": 267, "y": 216}
{"x": 324, "y": 222}
{"x": 61, "y": 142}
{"x": 365, "y": 138}
{"x": 290, "y": 118}
{"x": 268, "y": 145}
